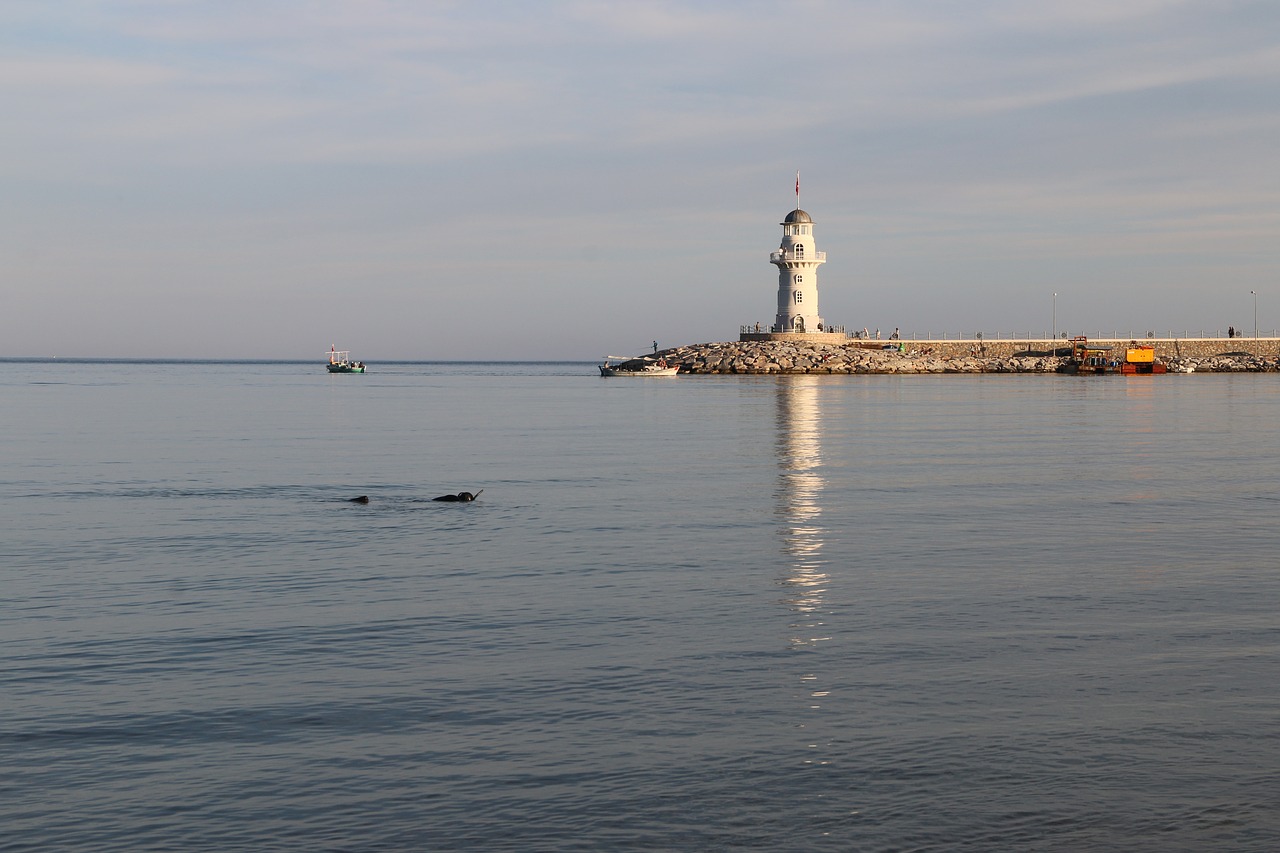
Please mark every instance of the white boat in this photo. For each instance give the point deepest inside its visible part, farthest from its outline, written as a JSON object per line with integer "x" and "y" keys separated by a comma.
{"x": 621, "y": 365}
{"x": 340, "y": 362}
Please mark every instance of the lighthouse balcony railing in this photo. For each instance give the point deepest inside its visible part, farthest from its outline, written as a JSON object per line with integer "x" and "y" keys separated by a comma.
{"x": 757, "y": 329}
{"x": 775, "y": 257}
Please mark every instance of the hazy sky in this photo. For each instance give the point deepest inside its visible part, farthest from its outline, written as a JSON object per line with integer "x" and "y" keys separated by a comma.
{"x": 528, "y": 180}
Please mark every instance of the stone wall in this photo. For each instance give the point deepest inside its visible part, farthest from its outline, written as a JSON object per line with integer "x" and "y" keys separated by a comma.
{"x": 1166, "y": 348}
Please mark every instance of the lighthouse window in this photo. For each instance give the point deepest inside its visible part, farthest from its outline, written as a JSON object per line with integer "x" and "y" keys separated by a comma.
{"x": 799, "y": 250}
{"x": 799, "y": 279}
{"x": 799, "y": 297}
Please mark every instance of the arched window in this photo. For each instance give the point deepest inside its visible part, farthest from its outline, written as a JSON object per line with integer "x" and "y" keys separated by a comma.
{"x": 799, "y": 250}
{"x": 799, "y": 296}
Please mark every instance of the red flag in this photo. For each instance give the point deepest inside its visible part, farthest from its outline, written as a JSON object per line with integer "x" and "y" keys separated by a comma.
{"x": 797, "y": 185}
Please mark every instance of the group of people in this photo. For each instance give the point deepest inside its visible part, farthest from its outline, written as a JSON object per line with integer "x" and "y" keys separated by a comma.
{"x": 866, "y": 335}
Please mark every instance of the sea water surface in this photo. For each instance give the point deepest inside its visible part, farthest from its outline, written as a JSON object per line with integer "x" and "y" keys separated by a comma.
{"x": 821, "y": 613}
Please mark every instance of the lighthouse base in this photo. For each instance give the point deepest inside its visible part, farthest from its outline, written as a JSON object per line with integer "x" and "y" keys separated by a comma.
{"x": 810, "y": 337}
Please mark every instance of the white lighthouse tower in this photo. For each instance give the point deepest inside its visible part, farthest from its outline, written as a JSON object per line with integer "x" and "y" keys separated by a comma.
{"x": 797, "y": 261}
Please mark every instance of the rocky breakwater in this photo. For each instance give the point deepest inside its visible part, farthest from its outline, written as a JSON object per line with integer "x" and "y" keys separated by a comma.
{"x": 765, "y": 357}
{"x": 1231, "y": 362}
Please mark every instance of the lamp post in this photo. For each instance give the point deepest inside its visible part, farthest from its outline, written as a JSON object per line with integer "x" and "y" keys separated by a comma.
{"x": 1255, "y": 314}
{"x": 1055, "y": 324}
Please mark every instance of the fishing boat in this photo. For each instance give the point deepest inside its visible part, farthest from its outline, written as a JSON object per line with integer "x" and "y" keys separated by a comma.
{"x": 340, "y": 362}
{"x": 1087, "y": 360}
{"x": 621, "y": 365}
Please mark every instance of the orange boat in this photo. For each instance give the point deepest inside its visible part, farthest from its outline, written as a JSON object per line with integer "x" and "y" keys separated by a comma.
{"x": 1141, "y": 360}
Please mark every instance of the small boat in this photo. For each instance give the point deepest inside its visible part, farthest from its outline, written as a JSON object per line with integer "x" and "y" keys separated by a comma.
{"x": 1086, "y": 360}
{"x": 340, "y": 362}
{"x": 621, "y": 365}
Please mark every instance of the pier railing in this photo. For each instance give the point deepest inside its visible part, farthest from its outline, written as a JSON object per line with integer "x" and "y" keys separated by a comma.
{"x": 1103, "y": 334}
{"x": 1106, "y": 335}
{"x": 1188, "y": 344}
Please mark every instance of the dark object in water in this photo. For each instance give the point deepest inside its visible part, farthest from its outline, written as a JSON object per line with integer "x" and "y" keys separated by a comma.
{"x": 363, "y": 499}
{"x": 460, "y": 496}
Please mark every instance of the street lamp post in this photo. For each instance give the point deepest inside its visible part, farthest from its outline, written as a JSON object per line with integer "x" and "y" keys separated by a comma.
{"x": 1255, "y": 314}
{"x": 1055, "y": 324}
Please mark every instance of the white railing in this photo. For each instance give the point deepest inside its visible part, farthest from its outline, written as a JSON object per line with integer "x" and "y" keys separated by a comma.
{"x": 1104, "y": 334}
{"x": 776, "y": 257}
{"x": 763, "y": 329}
{"x": 1043, "y": 336}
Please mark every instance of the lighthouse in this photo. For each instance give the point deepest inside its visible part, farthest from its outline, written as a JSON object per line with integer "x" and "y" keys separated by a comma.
{"x": 797, "y": 261}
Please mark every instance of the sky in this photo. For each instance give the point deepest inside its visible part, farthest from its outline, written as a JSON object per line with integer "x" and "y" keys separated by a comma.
{"x": 563, "y": 180}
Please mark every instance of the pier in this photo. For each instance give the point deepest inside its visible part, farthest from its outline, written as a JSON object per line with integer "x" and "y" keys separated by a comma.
{"x": 762, "y": 355}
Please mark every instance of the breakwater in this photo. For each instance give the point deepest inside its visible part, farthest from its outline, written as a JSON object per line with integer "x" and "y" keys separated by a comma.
{"x": 1208, "y": 355}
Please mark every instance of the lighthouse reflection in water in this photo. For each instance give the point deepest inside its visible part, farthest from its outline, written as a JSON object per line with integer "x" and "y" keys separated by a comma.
{"x": 800, "y": 487}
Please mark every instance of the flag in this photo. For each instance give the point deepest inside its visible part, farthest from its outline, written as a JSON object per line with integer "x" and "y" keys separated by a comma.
{"x": 797, "y": 185}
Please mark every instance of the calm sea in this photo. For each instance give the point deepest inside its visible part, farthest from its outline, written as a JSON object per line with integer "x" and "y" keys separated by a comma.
{"x": 706, "y": 613}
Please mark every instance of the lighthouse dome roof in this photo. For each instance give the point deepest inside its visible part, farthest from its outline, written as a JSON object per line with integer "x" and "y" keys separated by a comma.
{"x": 795, "y": 216}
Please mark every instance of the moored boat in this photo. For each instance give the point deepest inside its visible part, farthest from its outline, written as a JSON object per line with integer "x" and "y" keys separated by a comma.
{"x": 1092, "y": 360}
{"x": 619, "y": 365}
{"x": 1141, "y": 360}
{"x": 1086, "y": 360}
{"x": 340, "y": 362}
